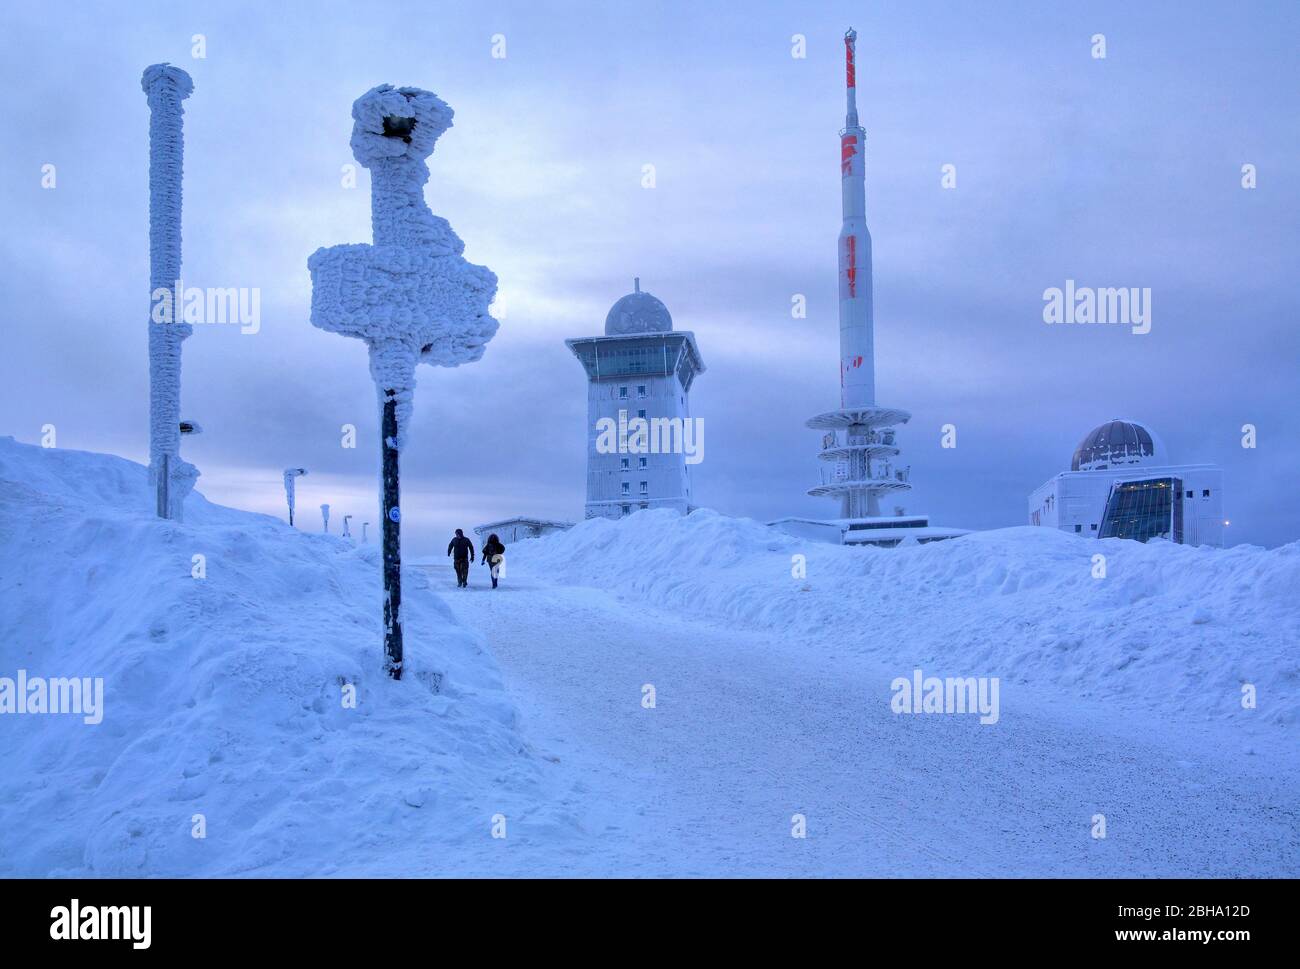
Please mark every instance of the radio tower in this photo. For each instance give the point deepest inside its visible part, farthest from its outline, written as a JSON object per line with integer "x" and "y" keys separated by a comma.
{"x": 859, "y": 443}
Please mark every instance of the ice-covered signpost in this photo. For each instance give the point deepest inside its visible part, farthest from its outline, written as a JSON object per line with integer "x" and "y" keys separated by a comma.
{"x": 166, "y": 87}
{"x": 411, "y": 295}
{"x": 325, "y": 517}
{"x": 291, "y": 475}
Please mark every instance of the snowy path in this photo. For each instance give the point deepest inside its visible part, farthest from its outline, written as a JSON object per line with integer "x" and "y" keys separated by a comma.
{"x": 750, "y": 729}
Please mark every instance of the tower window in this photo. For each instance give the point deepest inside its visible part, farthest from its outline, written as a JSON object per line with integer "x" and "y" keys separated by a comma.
{"x": 1205, "y": 493}
{"x": 640, "y": 462}
{"x": 623, "y": 464}
{"x": 1078, "y": 528}
{"x": 627, "y": 509}
{"x": 641, "y": 413}
{"x": 627, "y": 488}
{"x": 645, "y": 487}
{"x": 622, "y": 393}
{"x": 640, "y": 390}
{"x": 1191, "y": 494}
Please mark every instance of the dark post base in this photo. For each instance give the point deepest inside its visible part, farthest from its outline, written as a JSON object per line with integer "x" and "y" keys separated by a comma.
{"x": 392, "y": 540}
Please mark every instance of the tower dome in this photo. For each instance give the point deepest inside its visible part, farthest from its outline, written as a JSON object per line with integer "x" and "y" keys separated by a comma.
{"x": 638, "y": 312}
{"x": 1118, "y": 443}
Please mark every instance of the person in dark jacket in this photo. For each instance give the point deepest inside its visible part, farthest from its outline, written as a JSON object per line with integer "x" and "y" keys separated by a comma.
{"x": 464, "y": 554}
{"x": 493, "y": 556}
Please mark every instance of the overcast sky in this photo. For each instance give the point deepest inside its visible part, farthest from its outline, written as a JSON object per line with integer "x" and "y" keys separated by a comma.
{"x": 1117, "y": 172}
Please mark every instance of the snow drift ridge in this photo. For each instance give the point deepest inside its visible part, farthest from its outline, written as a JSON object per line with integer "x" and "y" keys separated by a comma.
{"x": 1173, "y": 628}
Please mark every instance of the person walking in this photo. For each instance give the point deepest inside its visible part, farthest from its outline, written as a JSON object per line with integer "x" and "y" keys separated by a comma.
{"x": 462, "y": 551}
{"x": 493, "y": 556}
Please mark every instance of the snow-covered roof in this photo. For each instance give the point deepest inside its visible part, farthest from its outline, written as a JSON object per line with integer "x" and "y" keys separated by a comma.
{"x": 524, "y": 520}
{"x": 1117, "y": 443}
{"x": 842, "y": 522}
{"x": 580, "y": 345}
{"x": 926, "y": 533}
{"x": 638, "y": 313}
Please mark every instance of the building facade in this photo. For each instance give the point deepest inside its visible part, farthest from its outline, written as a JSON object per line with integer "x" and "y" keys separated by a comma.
{"x": 1121, "y": 484}
{"x": 641, "y": 438}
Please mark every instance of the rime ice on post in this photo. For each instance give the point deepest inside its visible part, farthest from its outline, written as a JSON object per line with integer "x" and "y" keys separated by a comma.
{"x": 325, "y": 517}
{"x": 410, "y": 296}
{"x": 166, "y": 87}
{"x": 290, "y": 474}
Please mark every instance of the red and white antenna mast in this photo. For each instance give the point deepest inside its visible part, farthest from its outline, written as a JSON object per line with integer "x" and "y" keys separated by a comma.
{"x": 861, "y": 452}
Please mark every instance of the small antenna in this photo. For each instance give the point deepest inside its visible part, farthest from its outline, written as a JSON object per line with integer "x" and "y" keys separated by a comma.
{"x": 636, "y": 284}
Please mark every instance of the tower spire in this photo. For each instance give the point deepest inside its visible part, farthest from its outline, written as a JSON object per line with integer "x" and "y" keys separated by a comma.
{"x": 850, "y": 77}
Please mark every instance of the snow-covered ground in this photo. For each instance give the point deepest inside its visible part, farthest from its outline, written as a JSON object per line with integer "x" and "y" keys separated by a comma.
{"x": 1120, "y": 696}
{"x": 772, "y": 698}
{"x": 224, "y": 696}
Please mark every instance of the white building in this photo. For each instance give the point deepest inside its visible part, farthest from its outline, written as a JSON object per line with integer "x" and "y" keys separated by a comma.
{"x": 1121, "y": 484}
{"x": 639, "y": 382}
{"x": 519, "y": 528}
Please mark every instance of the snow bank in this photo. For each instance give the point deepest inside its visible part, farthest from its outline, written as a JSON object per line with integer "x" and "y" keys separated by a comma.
{"x": 224, "y": 695}
{"x": 1174, "y": 629}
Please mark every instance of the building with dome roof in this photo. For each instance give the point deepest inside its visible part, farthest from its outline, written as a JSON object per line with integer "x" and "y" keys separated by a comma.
{"x": 1116, "y": 444}
{"x": 1122, "y": 484}
{"x": 637, "y": 312}
{"x": 639, "y": 376}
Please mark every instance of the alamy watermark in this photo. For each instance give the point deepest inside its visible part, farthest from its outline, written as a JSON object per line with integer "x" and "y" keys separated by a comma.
{"x": 127, "y": 923}
{"x": 197, "y": 305}
{"x": 79, "y": 695}
{"x": 1125, "y": 306}
{"x": 952, "y": 694}
{"x": 654, "y": 435}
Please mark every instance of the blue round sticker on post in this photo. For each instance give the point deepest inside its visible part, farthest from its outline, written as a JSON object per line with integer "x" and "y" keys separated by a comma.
{"x": 394, "y": 515}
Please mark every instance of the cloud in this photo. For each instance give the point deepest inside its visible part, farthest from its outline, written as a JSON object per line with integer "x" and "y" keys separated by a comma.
{"x": 1116, "y": 173}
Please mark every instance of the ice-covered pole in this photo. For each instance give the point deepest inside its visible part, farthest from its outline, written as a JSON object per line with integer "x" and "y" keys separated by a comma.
{"x": 346, "y": 532}
{"x": 290, "y": 475}
{"x": 411, "y": 296}
{"x": 166, "y": 87}
{"x": 857, "y": 364}
{"x": 325, "y": 517}
{"x": 364, "y": 526}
